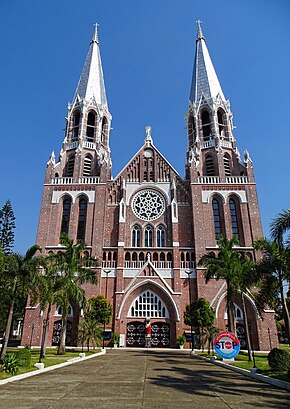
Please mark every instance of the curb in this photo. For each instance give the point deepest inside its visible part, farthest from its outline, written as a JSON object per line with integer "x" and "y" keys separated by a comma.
{"x": 259, "y": 377}
{"x": 50, "y": 368}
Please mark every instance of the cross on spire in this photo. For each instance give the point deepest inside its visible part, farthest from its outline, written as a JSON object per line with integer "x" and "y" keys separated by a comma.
{"x": 199, "y": 31}
{"x": 95, "y": 35}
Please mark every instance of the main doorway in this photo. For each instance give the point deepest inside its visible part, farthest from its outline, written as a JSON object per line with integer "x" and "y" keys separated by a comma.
{"x": 160, "y": 334}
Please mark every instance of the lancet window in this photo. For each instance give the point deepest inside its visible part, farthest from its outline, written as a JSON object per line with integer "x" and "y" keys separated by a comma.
{"x": 234, "y": 218}
{"x": 83, "y": 203}
{"x": 221, "y": 123}
{"x": 205, "y": 120}
{"x": 209, "y": 166}
{"x": 217, "y": 219}
{"x": 148, "y": 236}
{"x": 87, "y": 166}
{"x": 148, "y": 305}
{"x": 90, "y": 127}
{"x": 76, "y": 125}
{"x": 136, "y": 236}
{"x": 160, "y": 236}
{"x": 104, "y": 133}
{"x": 227, "y": 165}
{"x": 69, "y": 169}
{"x": 66, "y": 207}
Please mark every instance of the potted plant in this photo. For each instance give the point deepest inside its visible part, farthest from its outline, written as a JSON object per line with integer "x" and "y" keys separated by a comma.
{"x": 180, "y": 341}
{"x": 115, "y": 339}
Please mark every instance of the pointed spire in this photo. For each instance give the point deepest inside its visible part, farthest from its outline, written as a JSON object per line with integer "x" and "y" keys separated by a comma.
{"x": 91, "y": 83}
{"x": 204, "y": 79}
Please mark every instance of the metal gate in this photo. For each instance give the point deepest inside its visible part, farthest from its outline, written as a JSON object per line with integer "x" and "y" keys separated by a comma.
{"x": 57, "y": 330}
{"x": 160, "y": 334}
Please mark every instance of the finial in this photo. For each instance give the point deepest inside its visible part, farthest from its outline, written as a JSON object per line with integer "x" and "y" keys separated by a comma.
{"x": 199, "y": 31}
{"x": 148, "y": 138}
{"x": 95, "y": 38}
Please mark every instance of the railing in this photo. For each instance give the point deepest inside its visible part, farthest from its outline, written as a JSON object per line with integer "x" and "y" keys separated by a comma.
{"x": 186, "y": 264}
{"x": 84, "y": 180}
{"x": 207, "y": 144}
{"x": 139, "y": 264}
{"x": 213, "y": 180}
{"x": 237, "y": 179}
{"x": 90, "y": 145}
{"x": 208, "y": 179}
{"x": 226, "y": 144}
{"x": 109, "y": 264}
{"x": 72, "y": 145}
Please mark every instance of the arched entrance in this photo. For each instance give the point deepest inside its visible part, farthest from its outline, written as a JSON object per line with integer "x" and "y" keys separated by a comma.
{"x": 148, "y": 306}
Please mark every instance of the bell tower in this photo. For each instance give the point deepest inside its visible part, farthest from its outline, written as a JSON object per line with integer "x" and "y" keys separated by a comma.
{"x": 212, "y": 150}
{"x": 85, "y": 150}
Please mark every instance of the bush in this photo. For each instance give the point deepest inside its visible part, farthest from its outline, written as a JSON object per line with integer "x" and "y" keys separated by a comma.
{"x": 10, "y": 364}
{"x": 115, "y": 338}
{"x": 24, "y": 357}
{"x": 279, "y": 359}
{"x": 180, "y": 340}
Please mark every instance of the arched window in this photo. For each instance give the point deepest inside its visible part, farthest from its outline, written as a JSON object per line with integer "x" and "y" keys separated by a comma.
{"x": 104, "y": 133}
{"x": 234, "y": 218}
{"x": 227, "y": 165}
{"x": 87, "y": 166}
{"x": 66, "y": 206}
{"x": 76, "y": 125}
{"x": 209, "y": 166}
{"x": 127, "y": 260}
{"x": 58, "y": 310}
{"x": 136, "y": 237}
{"x": 221, "y": 123}
{"x": 90, "y": 127}
{"x": 191, "y": 130}
{"x": 205, "y": 120}
{"x": 83, "y": 203}
{"x": 148, "y": 235}
{"x": 148, "y": 305}
{"x": 216, "y": 219}
{"x": 160, "y": 237}
{"x": 70, "y": 165}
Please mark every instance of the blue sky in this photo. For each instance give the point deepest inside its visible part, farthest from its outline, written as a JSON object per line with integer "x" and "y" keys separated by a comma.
{"x": 147, "y": 52}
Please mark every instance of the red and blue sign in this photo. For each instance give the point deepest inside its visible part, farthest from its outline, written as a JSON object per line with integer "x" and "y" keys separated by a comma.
{"x": 226, "y": 345}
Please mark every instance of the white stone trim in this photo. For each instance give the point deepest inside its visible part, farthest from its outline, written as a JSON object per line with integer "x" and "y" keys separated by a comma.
{"x": 183, "y": 274}
{"x": 206, "y": 195}
{"x": 175, "y": 243}
{"x": 142, "y": 283}
{"x": 58, "y": 194}
{"x": 112, "y": 272}
{"x": 162, "y": 187}
{"x": 121, "y": 243}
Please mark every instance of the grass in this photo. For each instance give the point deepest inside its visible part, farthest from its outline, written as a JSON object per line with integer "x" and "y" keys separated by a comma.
{"x": 51, "y": 359}
{"x": 261, "y": 361}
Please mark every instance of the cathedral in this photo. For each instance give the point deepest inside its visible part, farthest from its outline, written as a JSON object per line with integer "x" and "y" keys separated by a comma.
{"x": 149, "y": 226}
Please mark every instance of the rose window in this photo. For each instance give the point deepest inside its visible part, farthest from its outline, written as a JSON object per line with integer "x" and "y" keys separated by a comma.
{"x": 148, "y": 205}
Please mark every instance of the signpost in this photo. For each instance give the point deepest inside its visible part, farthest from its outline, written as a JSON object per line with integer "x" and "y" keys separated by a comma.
{"x": 226, "y": 345}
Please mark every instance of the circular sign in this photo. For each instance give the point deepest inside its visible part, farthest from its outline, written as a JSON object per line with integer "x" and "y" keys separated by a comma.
{"x": 226, "y": 345}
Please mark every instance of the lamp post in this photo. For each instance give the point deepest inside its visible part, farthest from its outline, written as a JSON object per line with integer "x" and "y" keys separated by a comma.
{"x": 189, "y": 289}
{"x": 107, "y": 272}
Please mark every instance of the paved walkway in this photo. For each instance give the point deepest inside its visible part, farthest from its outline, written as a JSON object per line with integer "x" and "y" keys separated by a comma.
{"x": 143, "y": 379}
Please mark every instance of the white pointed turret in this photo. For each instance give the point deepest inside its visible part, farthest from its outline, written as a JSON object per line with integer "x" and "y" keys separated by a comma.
{"x": 204, "y": 79}
{"x": 91, "y": 84}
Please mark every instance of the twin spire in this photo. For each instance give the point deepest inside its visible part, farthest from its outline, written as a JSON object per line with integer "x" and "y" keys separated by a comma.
{"x": 91, "y": 84}
{"x": 204, "y": 79}
{"x": 205, "y": 82}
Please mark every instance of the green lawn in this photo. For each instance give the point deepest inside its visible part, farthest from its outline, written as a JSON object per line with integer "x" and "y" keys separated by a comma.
{"x": 51, "y": 359}
{"x": 241, "y": 361}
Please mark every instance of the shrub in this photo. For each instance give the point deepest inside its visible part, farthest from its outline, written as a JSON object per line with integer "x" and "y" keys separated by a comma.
{"x": 180, "y": 340}
{"x": 10, "y": 363}
{"x": 279, "y": 359}
{"x": 24, "y": 357}
{"x": 115, "y": 338}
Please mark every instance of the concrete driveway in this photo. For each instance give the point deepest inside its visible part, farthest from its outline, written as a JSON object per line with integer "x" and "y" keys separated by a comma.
{"x": 142, "y": 379}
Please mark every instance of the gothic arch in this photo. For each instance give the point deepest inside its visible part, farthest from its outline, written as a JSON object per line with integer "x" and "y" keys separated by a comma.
{"x": 247, "y": 296}
{"x": 150, "y": 284}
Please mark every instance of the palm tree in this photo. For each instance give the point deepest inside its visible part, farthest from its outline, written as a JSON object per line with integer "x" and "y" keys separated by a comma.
{"x": 90, "y": 331}
{"x": 72, "y": 274}
{"x": 273, "y": 270}
{"x": 21, "y": 271}
{"x": 225, "y": 266}
{"x": 279, "y": 226}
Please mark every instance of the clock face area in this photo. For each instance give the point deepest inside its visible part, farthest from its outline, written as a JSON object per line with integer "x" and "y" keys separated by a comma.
{"x": 148, "y": 205}
{"x": 148, "y": 153}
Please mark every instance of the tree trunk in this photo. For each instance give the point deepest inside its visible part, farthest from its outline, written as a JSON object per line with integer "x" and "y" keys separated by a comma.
{"x": 8, "y": 328}
{"x": 230, "y": 310}
{"x": 44, "y": 333}
{"x": 285, "y": 309}
{"x": 247, "y": 328}
{"x": 61, "y": 348}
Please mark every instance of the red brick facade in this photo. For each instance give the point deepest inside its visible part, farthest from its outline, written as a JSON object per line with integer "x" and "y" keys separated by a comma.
{"x": 148, "y": 226}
